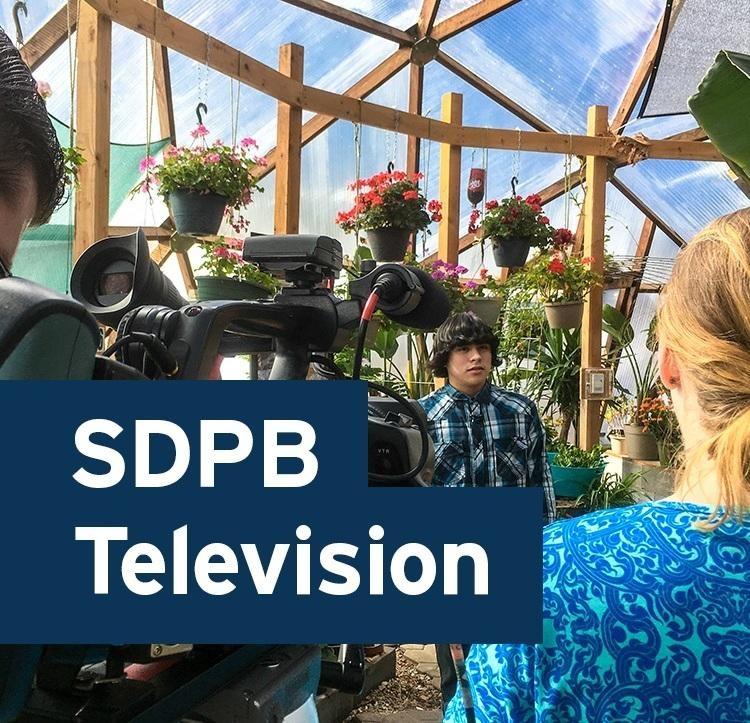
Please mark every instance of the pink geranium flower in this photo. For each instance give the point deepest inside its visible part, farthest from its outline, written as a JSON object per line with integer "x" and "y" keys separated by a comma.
{"x": 200, "y": 132}
{"x": 146, "y": 163}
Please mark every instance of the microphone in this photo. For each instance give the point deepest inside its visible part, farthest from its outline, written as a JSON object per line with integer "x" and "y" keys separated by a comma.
{"x": 408, "y": 295}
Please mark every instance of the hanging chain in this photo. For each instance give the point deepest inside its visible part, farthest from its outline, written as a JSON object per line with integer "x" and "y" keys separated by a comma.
{"x": 516, "y": 164}
{"x": 203, "y": 83}
{"x": 568, "y": 170}
{"x": 234, "y": 106}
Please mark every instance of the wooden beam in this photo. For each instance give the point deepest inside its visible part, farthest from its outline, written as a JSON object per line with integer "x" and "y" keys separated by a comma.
{"x": 289, "y": 147}
{"x": 638, "y": 81}
{"x": 694, "y": 134}
{"x": 491, "y": 92}
{"x": 450, "y": 182}
{"x": 469, "y": 17}
{"x": 153, "y": 233}
{"x": 361, "y": 89}
{"x": 188, "y": 277}
{"x": 168, "y": 30}
{"x": 427, "y": 16}
{"x": 162, "y": 251}
{"x": 647, "y": 211}
{"x": 593, "y": 246}
{"x": 163, "y": 86}
{"x": 93, "y": 104}
{"x": 354, "y": 20}
{"x": 416, "y": 87}
{"x": 50, "y": 36}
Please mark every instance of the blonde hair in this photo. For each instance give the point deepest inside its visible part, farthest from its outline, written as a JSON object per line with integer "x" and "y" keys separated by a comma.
{"x": 704, "y": 319}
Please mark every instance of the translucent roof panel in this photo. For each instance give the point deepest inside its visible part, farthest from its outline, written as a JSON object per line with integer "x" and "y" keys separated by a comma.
{"x": 38, "y": 11}
{"x": 686, "y": 194}
{"x": 398, "y": 13}
{"x": 557, "y": 59}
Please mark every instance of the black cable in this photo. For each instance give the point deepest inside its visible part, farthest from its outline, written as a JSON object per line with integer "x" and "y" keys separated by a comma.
{"x": 324, "y": 361}
{"x": 154, "y": 347}
{"x": 359, "y": 349}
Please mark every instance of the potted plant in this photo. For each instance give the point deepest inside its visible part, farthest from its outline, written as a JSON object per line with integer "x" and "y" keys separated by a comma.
{"x": 574, "y": 469}
{"x": 640, "y": 443}
{"x": 204, "y": 182}
{"x": 657, "y": 416}
{"x": 612, "y": 490}
{"x": 563, "y": 280}
{"x": 389, "y": 207}
{"x": 484, "y": 297}
{"x": 228, "y": 276}
{"x": 615, "y": 417}
{"x": 513, "y": 226}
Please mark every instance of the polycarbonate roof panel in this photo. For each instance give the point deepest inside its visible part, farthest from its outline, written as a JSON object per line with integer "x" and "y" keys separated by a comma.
{"x": 557, "y": 59}
{"x": 701, "y": 28}
{"x": 686, "y": 194}
{"x": 39, "y": 12}
{"x": 398, "y": 13}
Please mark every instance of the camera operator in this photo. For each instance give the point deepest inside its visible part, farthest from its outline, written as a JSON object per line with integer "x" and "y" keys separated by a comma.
{"x": 32, "y": 180}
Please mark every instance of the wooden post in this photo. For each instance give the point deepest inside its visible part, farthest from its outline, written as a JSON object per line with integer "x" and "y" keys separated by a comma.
{"x": 450, "y": 182}
{"x": 93, "y": 83}
{"x": 593, "y": 246}
{"x": 416, "y": 77}
{"x": 289, "y": 147}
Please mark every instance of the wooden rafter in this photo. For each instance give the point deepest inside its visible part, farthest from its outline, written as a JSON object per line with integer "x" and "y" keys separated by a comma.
{"x": 638, "y": 81}
{"x": 168, "y": 30}
{"x": 416, "y": 87}
{"x": 354, "y": 20}
{"x": 427, "y": 16}
{"x": 469, "y": 17}
{"x": 361, "y": 89}
{"x": 50, "y": 36}
{"x": 163, "y": 86}
{"x": 648, "y": 212}
{"x": 491, "y": 92}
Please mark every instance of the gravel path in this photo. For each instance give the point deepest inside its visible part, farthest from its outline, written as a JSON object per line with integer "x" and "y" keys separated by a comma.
{"x": 410, "y": 690}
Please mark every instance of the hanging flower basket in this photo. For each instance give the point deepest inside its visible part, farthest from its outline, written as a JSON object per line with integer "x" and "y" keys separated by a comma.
{"x": 221, "y": 288}
{"x": 564, "y": 314}
{"x": 388, "y": 243}
{"x": 486, "y": 309}
{"x": 198, "y": 214}
{"x": 511, "y": 252}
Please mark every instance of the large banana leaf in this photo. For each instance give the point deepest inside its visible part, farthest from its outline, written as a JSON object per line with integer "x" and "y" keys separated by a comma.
{"x": 722, "y": 108}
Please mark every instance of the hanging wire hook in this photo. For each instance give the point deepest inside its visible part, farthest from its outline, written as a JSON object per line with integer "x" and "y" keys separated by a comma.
{"x": 19, "y": 6}
{"x": 391, "y": 165}
{"x": 513, "y": 182}
{"x": 198, "y": 112}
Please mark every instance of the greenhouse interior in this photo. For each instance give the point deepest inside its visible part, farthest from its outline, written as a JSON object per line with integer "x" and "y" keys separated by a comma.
{"x": 523, "y": 223}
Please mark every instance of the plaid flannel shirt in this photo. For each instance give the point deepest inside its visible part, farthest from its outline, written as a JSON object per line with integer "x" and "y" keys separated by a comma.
{"x": 493, "y": 439}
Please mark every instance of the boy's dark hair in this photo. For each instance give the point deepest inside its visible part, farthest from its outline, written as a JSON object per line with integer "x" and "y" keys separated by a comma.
{"x": 27, "y": 137}
{"x": 461, "y": 329}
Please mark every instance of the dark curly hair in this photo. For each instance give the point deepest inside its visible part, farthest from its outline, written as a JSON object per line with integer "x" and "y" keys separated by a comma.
{"x": 27, "y": 137}
{"x": 461, "y": 329}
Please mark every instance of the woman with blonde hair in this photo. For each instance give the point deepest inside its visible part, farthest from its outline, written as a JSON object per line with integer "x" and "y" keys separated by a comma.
{"x": 647, "y": 608}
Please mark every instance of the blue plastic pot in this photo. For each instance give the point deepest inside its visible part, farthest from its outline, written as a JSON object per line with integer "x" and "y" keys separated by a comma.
{"x": 572, "y": 481}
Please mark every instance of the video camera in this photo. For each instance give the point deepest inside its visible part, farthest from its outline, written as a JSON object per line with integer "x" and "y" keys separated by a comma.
{"x": 160, "y": 335}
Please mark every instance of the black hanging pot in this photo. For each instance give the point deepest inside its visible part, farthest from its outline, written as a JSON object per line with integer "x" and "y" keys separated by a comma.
{"x": 388, "y": 243}
{"x": 510, "y": 252}
{"x": 199, "y": 214}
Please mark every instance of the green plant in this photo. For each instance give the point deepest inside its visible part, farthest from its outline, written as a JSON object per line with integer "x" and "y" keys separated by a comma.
{"x": 227, "y": 171}
{"x": 571, "y": 456}
{"x": 559, "y": 277}
{"x": 622, "y": 337}
{"x": 73, "y": 159}
{"x": 612, "y": 490}
{"x": 514, "y": 217}
{"x": 488, "y": 287}
{"x": 389, "y": 199}
{"x": 223, "y": 259}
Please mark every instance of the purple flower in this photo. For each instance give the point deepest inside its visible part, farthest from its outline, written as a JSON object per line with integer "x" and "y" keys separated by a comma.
{"x": 471, "y": 284}
{"x": 461, "y": 269}
{"x": 438, "y": 275}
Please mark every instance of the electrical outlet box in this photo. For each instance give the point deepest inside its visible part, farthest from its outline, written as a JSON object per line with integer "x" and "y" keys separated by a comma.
{"x": 597, "y": 383}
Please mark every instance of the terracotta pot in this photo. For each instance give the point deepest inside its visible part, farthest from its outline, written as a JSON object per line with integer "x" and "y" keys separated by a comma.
{"x": 389, "y": 243}
{"x": 640, "y": 443}
{"x": 510, "y": 252}
{"x": 486, "y": 309}
{"x": 199, "y": 214}
{"x": 212, "y": 288}
{"x": 564, "y": 314}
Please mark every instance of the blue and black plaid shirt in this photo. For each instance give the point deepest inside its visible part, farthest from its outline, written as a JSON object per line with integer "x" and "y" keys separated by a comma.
{"x": 493, "y": 439}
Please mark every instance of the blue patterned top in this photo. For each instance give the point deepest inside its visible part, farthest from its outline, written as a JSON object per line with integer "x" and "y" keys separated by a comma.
{"x": 645, "y": 619}
{"x": 492, "y": 439}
